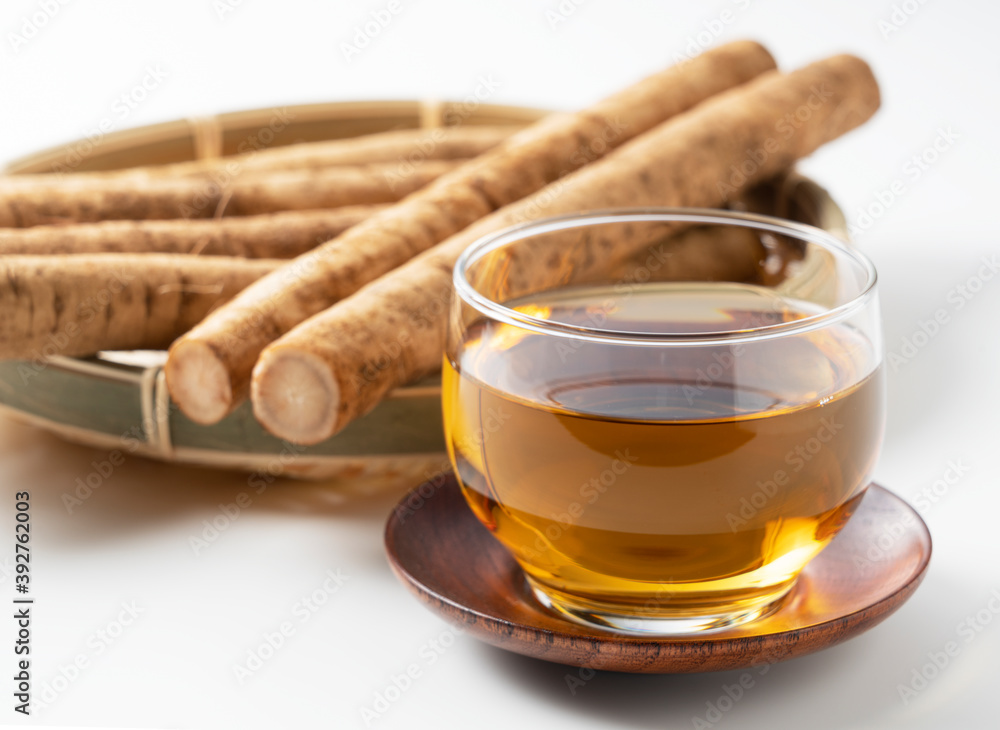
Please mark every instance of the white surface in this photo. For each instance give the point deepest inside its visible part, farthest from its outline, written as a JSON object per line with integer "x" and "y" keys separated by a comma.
{"x": 173, "y": 667}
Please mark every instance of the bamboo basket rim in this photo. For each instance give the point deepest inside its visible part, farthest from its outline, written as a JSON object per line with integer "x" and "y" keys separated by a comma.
{"x": 204, "y": 132}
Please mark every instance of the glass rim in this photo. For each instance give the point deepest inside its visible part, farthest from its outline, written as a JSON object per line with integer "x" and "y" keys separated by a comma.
{"x": 500, "y": 312}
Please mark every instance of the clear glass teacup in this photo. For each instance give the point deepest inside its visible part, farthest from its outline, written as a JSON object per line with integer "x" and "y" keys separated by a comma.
{"x": 664, "y": 415}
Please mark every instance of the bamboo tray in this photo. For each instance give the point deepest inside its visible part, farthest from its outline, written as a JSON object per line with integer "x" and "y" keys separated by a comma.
{"x": 120, "y": 400}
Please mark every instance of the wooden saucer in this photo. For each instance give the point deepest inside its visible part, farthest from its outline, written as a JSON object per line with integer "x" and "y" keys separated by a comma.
{"x": 454, "y": 565}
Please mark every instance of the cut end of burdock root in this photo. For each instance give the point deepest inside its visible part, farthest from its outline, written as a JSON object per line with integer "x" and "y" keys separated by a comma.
{"x": 198, "y": 381}
{"x": 295, "y": 395}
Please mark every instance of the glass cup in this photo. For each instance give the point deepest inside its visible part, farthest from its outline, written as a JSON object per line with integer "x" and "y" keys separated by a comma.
{"x": 663, "y": 414}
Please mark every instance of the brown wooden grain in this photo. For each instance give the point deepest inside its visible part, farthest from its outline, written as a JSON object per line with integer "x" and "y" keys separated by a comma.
{"x": 453, "y": 565}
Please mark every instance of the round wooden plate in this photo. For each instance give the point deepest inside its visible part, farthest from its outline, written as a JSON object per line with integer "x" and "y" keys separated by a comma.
{"x": 454, "y": 565}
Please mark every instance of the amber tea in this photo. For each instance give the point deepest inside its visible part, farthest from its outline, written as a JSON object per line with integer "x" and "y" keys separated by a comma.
{"x": 662, "y": 436}
{"x": 690, "y": 479}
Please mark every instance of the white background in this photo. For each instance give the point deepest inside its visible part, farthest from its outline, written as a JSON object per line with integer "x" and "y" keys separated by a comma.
{"x": 172, "y": 667}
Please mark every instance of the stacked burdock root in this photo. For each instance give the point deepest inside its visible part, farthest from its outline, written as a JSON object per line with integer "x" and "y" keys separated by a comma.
{"x": 320, "y": 339}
